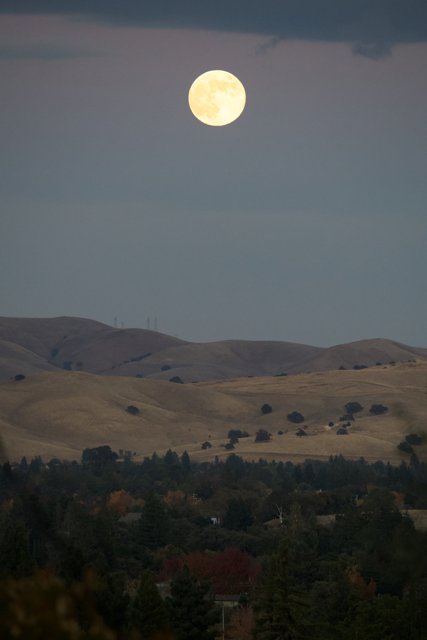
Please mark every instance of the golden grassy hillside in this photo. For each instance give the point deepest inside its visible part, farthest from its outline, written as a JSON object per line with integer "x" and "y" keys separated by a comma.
{"x": 58, "y": 414}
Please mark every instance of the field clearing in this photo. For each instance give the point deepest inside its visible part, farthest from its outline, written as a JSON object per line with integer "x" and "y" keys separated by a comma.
{"x": 59, "y": 414}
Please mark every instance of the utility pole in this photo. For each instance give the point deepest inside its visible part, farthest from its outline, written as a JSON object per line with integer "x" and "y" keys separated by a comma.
{"x": 223, "y": 620}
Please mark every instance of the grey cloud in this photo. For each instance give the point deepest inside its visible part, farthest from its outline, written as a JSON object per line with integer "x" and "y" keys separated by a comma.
{"x": 266, "y": 46}
{"x": 374, "y": 25}
{"x": 373, "y": 50}
{"x": 42, "y": 52}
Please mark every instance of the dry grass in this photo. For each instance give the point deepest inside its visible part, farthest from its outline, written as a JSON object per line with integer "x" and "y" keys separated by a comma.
{"x": 58, "y": 414}
{"x": 28, "y": 345}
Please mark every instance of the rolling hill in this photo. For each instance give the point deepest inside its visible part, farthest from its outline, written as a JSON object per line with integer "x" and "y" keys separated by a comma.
{"x": 57, "y": 414}
{"x": 29, "y": 345}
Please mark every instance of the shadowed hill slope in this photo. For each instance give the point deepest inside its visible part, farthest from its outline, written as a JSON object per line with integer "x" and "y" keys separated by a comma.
{"x": 28, "y": 345}
{"x": 73, "y": 343}
{"x": 59, "y": 414}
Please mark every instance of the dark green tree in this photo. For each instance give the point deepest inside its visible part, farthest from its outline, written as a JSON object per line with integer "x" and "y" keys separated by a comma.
{"x": 148, "y": 613}
{"x": 353, "y": 407}
{"x": 191, "y": 609}
{"x": 154, "y": 523}
{"x": 278, "y": 609}
{"x": 15, "y": 557}
{"x": 238, "y": 515}
{"x": 186, "y": 462}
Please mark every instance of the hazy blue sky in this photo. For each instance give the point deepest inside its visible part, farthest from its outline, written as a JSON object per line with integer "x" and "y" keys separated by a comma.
{"x": 304, "y": 220}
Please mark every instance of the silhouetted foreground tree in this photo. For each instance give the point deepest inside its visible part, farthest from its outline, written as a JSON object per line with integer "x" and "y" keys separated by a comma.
{"x": 43, "y": 607}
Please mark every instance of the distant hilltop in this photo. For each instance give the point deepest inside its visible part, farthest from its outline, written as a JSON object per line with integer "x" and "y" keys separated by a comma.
{"x": 34, "y": 345}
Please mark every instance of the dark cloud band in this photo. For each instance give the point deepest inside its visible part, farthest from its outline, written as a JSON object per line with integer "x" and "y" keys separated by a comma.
{"x": 42, "y": 52}
{"x": 372, "y": 27}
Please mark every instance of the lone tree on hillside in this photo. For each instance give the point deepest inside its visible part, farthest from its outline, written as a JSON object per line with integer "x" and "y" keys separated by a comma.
{"x": 262, "y": 436}
{"x": 237, "y": 433}
{"x": 353, "y": 407}
{"x": 378, "y": 409}
{"x": 405, "y": 447}
{"x": 132, "y": 410}
{"x": 296, "y": 417}
{"x": 266, "y": 408}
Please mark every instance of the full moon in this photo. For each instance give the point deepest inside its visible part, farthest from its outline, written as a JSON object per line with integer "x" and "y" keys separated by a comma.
{"x": 217, "y": 98}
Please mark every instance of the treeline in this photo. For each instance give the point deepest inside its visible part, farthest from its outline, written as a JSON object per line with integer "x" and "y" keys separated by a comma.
{"x": 170, "y": 548}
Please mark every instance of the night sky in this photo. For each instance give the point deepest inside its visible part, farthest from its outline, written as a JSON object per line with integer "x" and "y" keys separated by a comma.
{"x": 304, "y": 220}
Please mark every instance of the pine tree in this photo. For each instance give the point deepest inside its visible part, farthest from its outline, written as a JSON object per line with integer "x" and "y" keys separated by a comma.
{"x": 148, "y": 613}
{"x": 191, "y": 610}
{"x": 277, "y": 608}
{"x": 186, "y": 462}
{"x": 154, "y": 523}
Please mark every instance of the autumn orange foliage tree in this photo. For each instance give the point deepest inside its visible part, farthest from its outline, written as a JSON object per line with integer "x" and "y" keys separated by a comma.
{"x": 120, "y": 501}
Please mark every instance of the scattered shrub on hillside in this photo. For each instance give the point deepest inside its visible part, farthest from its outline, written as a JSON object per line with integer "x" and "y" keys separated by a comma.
{"x": 342, "y": 431}
{"x": 357, "y": 367}
{"x": 19, "y": 377}
{"x": 165, "y": 367}
{"x": 266, "y": 408}
{"x": 300, "y": 432}
{"x": 347, "y": 417}
{"x": 405, "y": 447}
{"x": 262, "y": 436}
{"x": 414, "y": 439}
{"x": 378, "y": 409}
{"x": 280, "y": 433}
{"x": 295, "y": 417}
{"x": 279, "y": 375}
{"x": 378, "y": 364}
{"x": 132, "y": 410}
{"x": 54, "y": 352}
{"x": 67, "y": 365}
{"x": 206, "y": 445}
{"x": 353, "y": 407}
{"x": 341, "y": 368}
{"x": 330, "y": 424}
{"x": 228, "y": 446}
{"x": 176, "y": 379}
{"x": 237, "y": 433}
